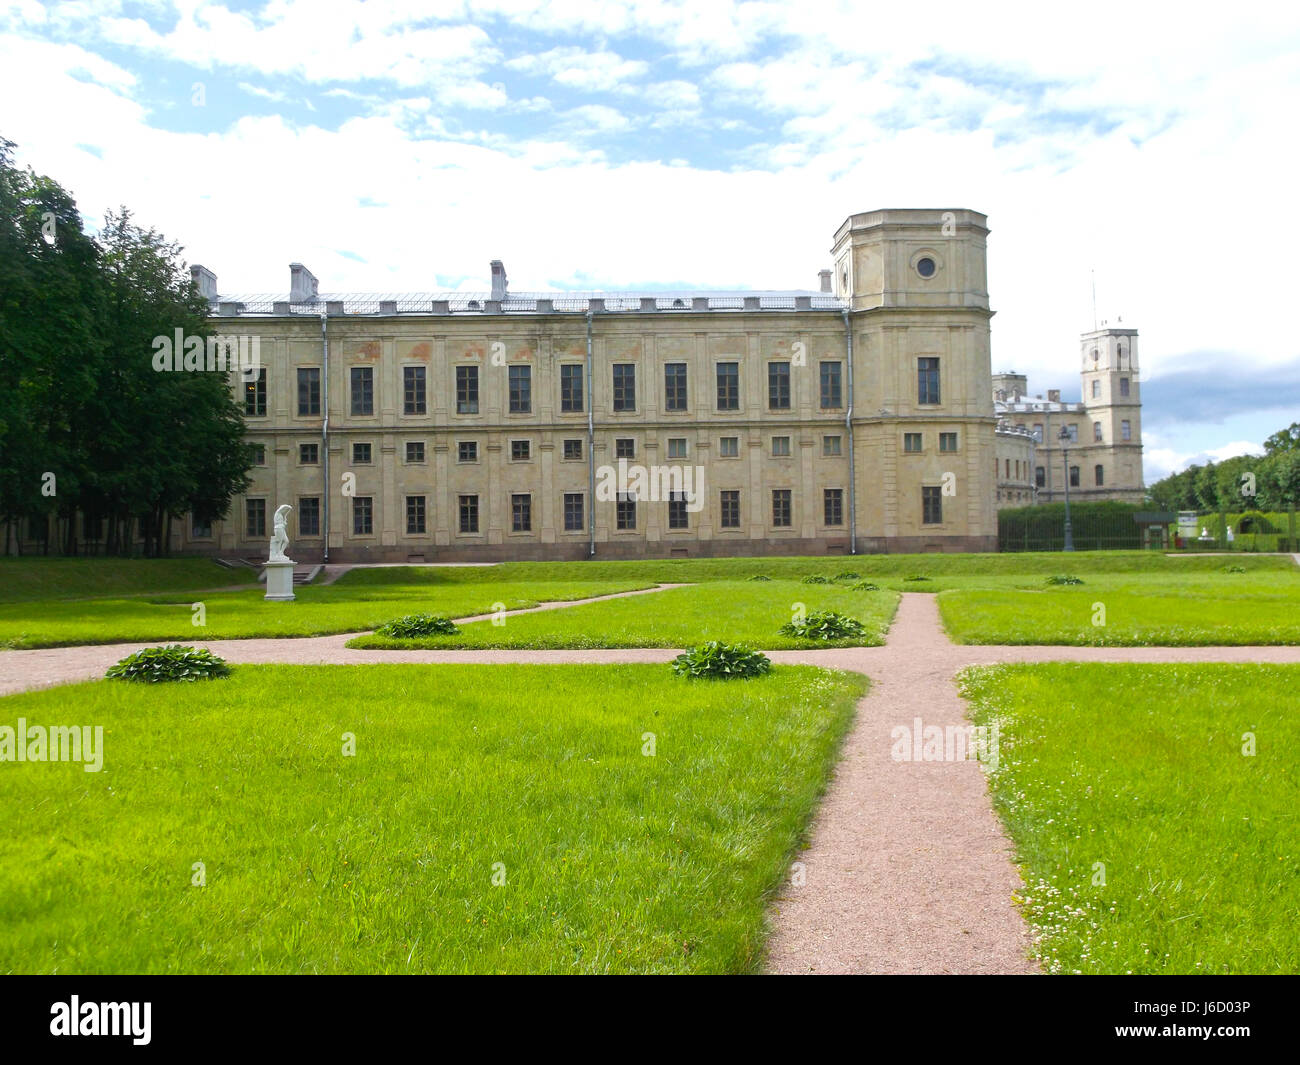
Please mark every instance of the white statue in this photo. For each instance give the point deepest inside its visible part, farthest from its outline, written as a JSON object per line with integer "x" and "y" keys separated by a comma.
{"x": 1229, "y": 534}
{"x": 1205, "y": 533}
{"x": 280, "y": 534}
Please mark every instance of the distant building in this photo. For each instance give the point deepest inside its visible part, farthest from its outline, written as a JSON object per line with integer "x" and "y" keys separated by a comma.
{"x": 1103, "y": 431}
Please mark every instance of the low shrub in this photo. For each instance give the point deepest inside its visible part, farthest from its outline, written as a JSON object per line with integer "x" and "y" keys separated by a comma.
{"x": 816, "y": 578}
{"x": 1234, "y": 569}
{"x": 916, "y": 577}
{"x": 866, "y": 586}
{"x": 171, "y": 663}
{"x": 721, "y": 661}
{"x": 848, "y": 575}
{"x": 414, "y": 625}
{"x": 1062, "y": 578}
{"x": 825, "y": 625}
{"x": 759, "y": 577}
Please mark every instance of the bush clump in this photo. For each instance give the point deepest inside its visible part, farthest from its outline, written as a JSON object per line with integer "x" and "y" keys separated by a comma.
{"x": 173, "y": 662}
{"x": 848, "y": 575}
{"x": 825, "y": 625}
{"x": 1063, "y": 578}
{"x": 414, "y": 625}
{"x": 1234, "y": 569}
{"x": 816, "y": 578}
{"x": 866, "y": 586}
{"x": 916, "y": 577}
{"x": 760, "y": 577}
{"x": 721, "y": 661}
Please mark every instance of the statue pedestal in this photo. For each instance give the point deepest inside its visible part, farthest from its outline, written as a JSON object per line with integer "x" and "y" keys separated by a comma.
{"x": 279, "y": 580}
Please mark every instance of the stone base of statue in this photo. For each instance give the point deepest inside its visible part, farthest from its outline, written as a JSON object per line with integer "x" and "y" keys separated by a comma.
{"x": 279, "y": 580}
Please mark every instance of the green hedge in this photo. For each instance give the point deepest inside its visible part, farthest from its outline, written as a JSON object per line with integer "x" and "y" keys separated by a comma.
{"x": 1096, "y": 526}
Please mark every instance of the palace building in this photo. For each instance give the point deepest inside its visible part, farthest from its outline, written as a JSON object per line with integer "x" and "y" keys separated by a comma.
{"x": 857, "y": 416}
{"x": 1094, "y": 445}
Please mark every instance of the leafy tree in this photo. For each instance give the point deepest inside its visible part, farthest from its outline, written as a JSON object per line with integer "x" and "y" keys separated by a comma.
{"x": 1287, "y": 439}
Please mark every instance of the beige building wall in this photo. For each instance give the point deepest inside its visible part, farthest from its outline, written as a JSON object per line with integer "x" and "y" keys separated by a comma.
{"x": 916, "y": 290}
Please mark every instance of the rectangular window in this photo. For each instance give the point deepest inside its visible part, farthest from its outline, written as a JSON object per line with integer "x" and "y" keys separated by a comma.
{"x": 308, "y": 390}
{"x": 781, "y": 508}
{"x": 571, "y": 387}
{"x": 778, "y": 386}
{"x": 415, "y": 451}
{"x": 415, "y": 515}
{"x": 573, "y": 449}
{"x": 833, "y": 505}
{"x": 1072, "y": 431}
{"x": 675, "y": 386}
{"x": 729, "y": 447}
{"x": 308, "y": 454}
{"x": 468, "y": 514}
{"x": 573, "y": 516}
{"x": 361, "y": 454}
{"x": 1074, "y": 476}
{"x": 731, "y": 510}
{"x": 1123, "y": 386}
{"x": 1099, "y": 475}
{"x": 466, "y": 389}
{"x": 1125, "y": 430}
{"x": 624, "y": 447}
{"x": 625, "y": 510}
{"x": 1096, "y": 432}
{"x": 521, "y": 389}
{"x": 413, "y": 391}
{"x": 831, "y": 446}
{"x": 255, "y": 396}
{"x": 927, "y": 380}
{"x": 728, "y": 386}
{"x": 259, "y": 454}
{"x": 911, "y": 442}
{"x": 832, "y": 394}
{"x": 678, "y": 515}
{"x": 521, "y": 513}
{"x": 947, "y": 441}
{"x": 1038, "y": 432}
{"x": 309, "y": 515}
{"x": 1096, "y": 388}
{"x": 255, "y": 511}
{"x": 931, "y": 505}
{"x": 624, "y": 386}
{"x": 781, "y": 446}
{"x": 677, "y": 447}
{"x": 1040, "y": 477}
{"x": 520, "y": 450}
{"x": 467, "y": 451}
{"x": 363, "y": 390}
{"x": 199, "y": 530}
{"x": 363, "y": 516}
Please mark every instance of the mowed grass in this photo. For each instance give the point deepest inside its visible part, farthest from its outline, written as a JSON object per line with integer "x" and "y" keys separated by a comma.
{"x": 609, "y": 859}
{"x": 744, "y": 612}
{"x": 1138, "y": 773}
{"x": 1204, "y": 609}
{"x": 36, "y": 579}
{"x": 344, "y": 606}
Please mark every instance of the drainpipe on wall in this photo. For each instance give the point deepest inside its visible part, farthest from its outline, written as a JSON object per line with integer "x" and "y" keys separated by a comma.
{"x": 325, "y": 429}
{"x": 848, "y": 425}
{"x": 591, "y": 449}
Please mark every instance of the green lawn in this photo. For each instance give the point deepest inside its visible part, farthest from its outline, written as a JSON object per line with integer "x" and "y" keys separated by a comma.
{"x": 613, "y": 861}
{"x": 34, "y": 579}
{"x": 1139, "y": 610}
{"x": 345, "y": 606}
{"x": 733, "y": 611}
{"x": 1141, "y": 768}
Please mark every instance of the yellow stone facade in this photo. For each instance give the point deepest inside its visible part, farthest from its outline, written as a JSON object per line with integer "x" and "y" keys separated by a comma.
{"x": 899, "y": 456}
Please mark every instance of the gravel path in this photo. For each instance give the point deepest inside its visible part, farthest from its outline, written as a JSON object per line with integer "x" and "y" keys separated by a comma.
{"x": 907, "y": 870}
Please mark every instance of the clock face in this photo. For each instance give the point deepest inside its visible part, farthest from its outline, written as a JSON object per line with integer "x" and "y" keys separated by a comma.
{"x": 925, "y": 267}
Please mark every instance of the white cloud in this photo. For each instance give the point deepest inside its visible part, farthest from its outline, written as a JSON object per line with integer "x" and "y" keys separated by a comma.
{"x": 576, "y": 68}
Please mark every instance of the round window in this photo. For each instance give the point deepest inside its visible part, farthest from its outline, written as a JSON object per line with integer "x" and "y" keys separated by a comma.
{"x": 925, "y": 267}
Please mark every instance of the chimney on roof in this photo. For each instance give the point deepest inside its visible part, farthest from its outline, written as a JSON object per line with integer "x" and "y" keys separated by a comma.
{"x": 302, "y": 284}
{"x": 824, "y": 279}
{"x": 1053, "y": 395}
{"x": 206, "y": 280}
{"x": 498, "y": 280}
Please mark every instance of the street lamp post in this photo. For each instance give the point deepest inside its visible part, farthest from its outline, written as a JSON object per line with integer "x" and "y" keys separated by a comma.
{"x": 1065, "y": 455}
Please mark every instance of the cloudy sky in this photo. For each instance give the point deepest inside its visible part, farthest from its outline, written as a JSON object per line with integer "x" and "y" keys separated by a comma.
{"x": 399, "y": 145}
